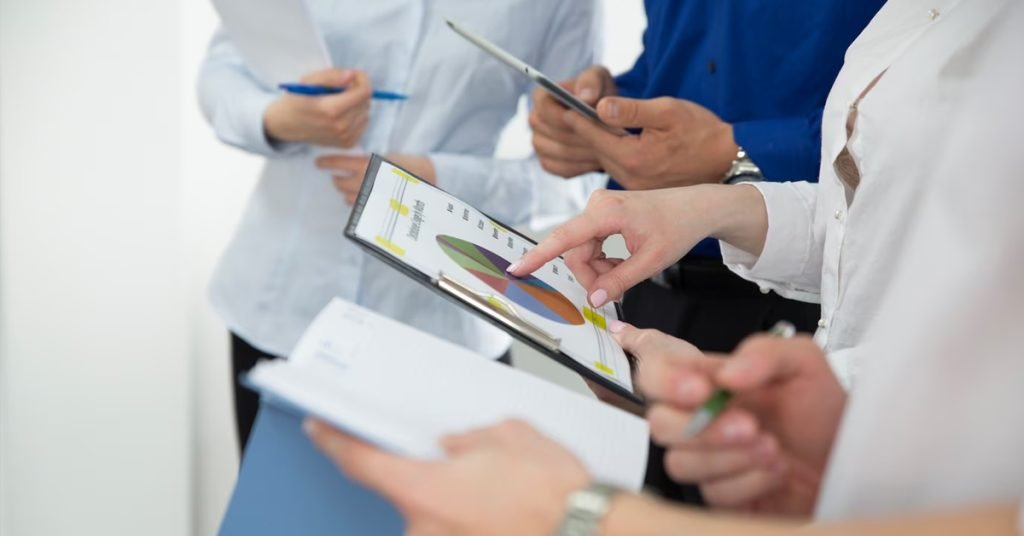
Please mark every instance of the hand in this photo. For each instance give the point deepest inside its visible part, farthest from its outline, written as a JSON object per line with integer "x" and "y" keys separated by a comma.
{"x": 659, "y": 227}
{"x": 682, "y": 143}
{"x": 765, "y": 453}
{"x": 348, "y": 171}
{"x": 330, "y": 120}
{"x": 507, "y": 479}
{"x": 559, "y": 149}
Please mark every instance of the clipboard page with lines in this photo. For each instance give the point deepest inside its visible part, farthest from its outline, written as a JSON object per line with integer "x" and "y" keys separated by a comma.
{"x": 436, "y": 233}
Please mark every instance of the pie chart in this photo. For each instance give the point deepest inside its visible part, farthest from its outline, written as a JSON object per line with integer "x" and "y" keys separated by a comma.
{"x": 529, "y": 292}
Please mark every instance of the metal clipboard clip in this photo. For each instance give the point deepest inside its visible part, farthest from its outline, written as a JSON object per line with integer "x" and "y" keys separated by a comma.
{"x": 499, "y": 309}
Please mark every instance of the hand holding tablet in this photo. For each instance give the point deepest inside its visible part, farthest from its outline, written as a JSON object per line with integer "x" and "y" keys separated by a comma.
{"x": 565, "y": 97}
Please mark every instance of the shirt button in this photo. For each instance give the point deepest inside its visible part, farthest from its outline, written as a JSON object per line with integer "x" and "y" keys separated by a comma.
{"x": 765, "y": 290}
{"x": 821, "y": 323}
{"x": 838, "y": 215}
{"x": 712, "y": 67}
{"x": 933, "y": 14}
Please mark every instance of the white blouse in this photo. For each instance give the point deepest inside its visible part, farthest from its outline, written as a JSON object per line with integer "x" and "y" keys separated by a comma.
{"x": 937, "y": 419}
{"x": 289, "y": 257}
{"x": 838, "y": 246}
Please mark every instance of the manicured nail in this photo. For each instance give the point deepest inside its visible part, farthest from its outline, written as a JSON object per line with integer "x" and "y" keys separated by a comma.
{"x": 513, "y": 267}
{"x": 611, "y": 109}
{"x": 587, "y": 94}
{"x": 598, "y": 298}
{"x": 616, "y": 326}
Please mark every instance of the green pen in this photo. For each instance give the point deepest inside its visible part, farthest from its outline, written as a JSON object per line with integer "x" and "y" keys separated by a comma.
{"x": 721, "y": 397}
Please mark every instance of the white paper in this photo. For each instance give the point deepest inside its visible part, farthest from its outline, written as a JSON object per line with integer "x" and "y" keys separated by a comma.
{"x": 436, "y": 233}
{"x": 403, "y": 389}
{"x": 278, "y": 39}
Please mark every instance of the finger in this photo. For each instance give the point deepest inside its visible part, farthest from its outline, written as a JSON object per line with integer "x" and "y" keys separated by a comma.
{"x": 580, "y": 259}
{"x": 589, "y": 85}
{"x": 698, "y": 465}
{"x": 547, "y": 119}
{"x": 638, "y": 113}
{"x": 762, "y": 360}
{"x": 569, "y": 235}
{"x": 733, "y": 427}
{"x": 611, "y": 285}
{"x": 566, "y": 169}
{"x": 388, "y": 474}
{"x": 330, "y": 77}
{"x": 551, "y": 148}
{"x": 740, "y": 489}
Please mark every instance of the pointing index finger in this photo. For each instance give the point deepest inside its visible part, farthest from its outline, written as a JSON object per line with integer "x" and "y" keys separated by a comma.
{"x": 573, "y": 233}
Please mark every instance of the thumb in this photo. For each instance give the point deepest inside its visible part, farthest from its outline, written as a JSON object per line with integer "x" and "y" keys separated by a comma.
{"x": 611, "y": 285}
{"x": 763, "y": 360}
{"x": 589, "y": 86}
{"x": 330, "y": 77}
{"x": 636, "y": 113}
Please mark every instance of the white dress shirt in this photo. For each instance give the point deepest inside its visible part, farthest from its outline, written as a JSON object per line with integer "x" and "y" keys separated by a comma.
{"x": 289, "y": 257}
{"x": 937, "y": 420}
{"x": 821, "y": 245}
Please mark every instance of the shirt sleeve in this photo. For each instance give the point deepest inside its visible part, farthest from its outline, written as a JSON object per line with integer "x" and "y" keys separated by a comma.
{"x": 234, "y": 102}
{"x": 790, "y": 263}
{"x": 520, "y": 192}
{"x": 786, "y": 149}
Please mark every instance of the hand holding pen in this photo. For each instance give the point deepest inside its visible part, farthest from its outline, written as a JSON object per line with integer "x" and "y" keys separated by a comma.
{"x": 768, "y": 443}
{"x": 336, "y": 118}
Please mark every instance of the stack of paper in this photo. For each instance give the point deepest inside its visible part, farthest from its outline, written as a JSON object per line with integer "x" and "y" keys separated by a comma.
{"x": 403, "y": 389}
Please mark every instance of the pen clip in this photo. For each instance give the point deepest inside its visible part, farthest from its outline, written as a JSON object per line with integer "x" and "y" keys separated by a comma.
{"x": 497, "y": 308}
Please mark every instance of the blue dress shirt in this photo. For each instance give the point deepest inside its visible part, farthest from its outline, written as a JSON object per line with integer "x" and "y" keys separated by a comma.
{"x": 764, "y": 66}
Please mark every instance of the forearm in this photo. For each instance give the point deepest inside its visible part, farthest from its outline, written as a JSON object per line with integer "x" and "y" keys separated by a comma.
{"x": 635, "y": 515}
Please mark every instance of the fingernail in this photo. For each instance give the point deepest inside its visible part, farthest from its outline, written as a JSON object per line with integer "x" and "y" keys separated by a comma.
{"x": 598, "y": 298}
{"x": 513, "y": 267}
{"x": 734, "y": 366}
{"x": 736, "y": 431}
{"x": 616, "y": 326}
{"x": 309, "y": 427}
{"x": 611, "y": 109}
{"x": 587, "y": 94}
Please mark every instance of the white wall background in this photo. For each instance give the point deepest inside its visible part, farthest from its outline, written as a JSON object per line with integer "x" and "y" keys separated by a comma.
{"x": 115, "y": 201}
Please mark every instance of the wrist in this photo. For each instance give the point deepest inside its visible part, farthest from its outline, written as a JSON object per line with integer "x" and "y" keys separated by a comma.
{"x": 742, "y": 217}
{"x": 722, "y": 152}
{"x": 274, "y": 125}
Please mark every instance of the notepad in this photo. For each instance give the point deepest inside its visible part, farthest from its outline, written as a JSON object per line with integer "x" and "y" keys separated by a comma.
{"x": 278, "y": 39}
{"x": 403, "y": 389}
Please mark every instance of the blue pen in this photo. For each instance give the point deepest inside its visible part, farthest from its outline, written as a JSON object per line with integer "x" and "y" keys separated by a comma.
{"x": 315, "y": 91}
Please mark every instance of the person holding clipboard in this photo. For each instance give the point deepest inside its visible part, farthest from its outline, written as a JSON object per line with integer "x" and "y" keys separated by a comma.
{"x": 289, "y": 256}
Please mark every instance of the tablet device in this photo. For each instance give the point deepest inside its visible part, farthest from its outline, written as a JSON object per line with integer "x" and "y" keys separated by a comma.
{"x": 563, "y": 96}
{"x": 463, "y": 254}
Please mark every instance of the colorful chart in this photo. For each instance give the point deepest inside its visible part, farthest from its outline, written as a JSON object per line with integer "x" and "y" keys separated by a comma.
{"x": 530, "y": 293}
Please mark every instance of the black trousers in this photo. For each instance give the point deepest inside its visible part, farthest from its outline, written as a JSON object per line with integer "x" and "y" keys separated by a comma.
{"x": 243, "y": 358}
{"x": 704, "y": 303}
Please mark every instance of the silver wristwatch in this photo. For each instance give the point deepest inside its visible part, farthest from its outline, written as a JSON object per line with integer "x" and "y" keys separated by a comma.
{"x": 742, "y": 169}
{"x": 585, "y": 510}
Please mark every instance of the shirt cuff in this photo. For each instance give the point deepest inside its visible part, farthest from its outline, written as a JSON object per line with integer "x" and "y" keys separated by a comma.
{"x": 239, "y": 122}
{"x": 785, "y": 149}
{"x": 787, "y": 245}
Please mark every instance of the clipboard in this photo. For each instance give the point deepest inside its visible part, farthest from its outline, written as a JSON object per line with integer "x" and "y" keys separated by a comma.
{"x": 491, "y": 307}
